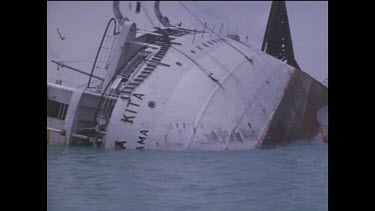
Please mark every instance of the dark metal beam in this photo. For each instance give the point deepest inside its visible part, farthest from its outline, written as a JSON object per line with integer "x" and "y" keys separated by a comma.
{"x": 277, "y": 39}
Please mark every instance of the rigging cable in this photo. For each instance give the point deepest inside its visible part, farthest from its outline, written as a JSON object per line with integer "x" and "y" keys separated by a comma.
{"x": 81, "y": 60}
{"x": 251, "y": 61}
{"x": 147, "y": 15}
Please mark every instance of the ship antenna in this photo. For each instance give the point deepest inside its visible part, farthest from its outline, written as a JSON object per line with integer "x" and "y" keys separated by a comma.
{"x": 116, "y": 10}
{"x": 163, "y": 19}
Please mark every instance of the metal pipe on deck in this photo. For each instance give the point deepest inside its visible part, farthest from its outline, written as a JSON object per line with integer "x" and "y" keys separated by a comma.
{"x": 54, "y": 130}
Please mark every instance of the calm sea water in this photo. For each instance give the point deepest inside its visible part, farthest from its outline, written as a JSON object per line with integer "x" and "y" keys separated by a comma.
{"x": 292, "y": 177}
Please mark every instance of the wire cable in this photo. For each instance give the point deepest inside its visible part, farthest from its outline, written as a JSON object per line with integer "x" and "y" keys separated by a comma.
{"x": 251, "y": 61}
{"x": 147, "y": 15}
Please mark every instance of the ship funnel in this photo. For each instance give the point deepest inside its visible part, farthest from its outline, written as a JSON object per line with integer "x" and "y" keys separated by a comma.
{"x": 277, "y": 39}
{"x": 163, "y": 19}
{"x": 118, "y": 14}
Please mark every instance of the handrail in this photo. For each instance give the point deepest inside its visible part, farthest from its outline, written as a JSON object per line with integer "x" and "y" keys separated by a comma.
{"x": 100, "y": 46}
{"x": 131, "y": 63}
{"x": 123, "y": 66}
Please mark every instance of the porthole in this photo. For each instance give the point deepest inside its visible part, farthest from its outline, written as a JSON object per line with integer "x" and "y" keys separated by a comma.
{"x": 204, "y": 44}
{"x": 179, "y": 63}
{"x": 192, "y": 51}
{"x": 200, "y": 48}
{"x": 151, "y": 104}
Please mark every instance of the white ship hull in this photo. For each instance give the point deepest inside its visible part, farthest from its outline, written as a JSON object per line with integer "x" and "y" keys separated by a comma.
{"x": 192, "y": 111}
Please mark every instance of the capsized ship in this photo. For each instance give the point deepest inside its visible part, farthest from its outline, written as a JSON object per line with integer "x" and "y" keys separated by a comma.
{"x": 174, "y": 88}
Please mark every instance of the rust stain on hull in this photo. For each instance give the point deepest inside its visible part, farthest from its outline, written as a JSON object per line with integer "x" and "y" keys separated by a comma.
{"x": 295, "y": 117}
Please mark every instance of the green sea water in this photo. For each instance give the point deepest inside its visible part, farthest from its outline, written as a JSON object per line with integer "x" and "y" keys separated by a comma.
{"x": 291, "y": 177}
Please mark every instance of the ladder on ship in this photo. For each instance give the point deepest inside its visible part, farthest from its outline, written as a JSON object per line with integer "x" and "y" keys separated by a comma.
{"x": 124, "y": 83}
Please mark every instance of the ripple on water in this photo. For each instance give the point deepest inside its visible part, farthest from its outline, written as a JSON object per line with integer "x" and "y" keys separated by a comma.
{"x": 292, "y": 177}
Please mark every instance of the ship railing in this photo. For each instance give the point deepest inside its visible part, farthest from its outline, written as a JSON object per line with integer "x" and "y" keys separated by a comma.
{"x": 104, "y": 52}
{"x": 106, "y": 106}
{"x": 127, "y": 69}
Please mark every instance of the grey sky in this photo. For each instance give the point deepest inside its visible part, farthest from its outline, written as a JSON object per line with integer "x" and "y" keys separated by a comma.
{"x": 83, "y": 23}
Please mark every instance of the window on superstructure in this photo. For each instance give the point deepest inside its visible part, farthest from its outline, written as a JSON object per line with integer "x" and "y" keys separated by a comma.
{"x": 56, "y": 109}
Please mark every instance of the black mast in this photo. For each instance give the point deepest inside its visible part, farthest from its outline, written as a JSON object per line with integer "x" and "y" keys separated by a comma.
{"x": 277, "y": 39}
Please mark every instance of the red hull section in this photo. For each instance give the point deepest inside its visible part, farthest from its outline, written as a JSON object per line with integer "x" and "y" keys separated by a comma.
{"x": 295, "y": 117}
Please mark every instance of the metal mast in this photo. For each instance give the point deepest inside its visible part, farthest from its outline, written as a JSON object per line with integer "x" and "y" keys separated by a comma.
{"x": 277, "y": 39}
